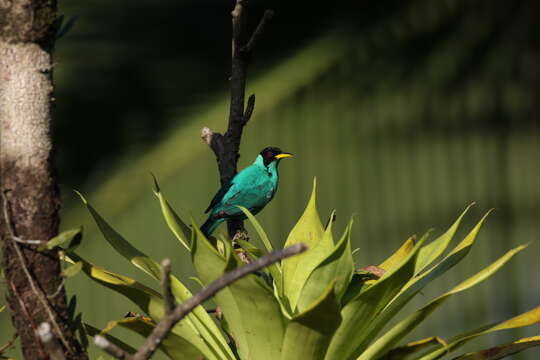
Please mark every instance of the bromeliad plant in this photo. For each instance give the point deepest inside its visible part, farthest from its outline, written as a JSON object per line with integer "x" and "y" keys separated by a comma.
{"x": 316, "y": 305}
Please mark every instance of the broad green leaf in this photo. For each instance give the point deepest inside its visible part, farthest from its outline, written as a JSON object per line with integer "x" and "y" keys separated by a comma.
{"x": 199, "y": 319}
{"x": 174, "y": 222}
{"x": 93, "y": 331}
{"x": 399, "y": 255}
{"x": 148, "y": 300}
{"x": 72, "y": 270}
{"x": 173, "y": 345}
{"x": 310, "y": 231}
{"x": 411, "y": 348}
{"x": 262, "y": 234}
{"x": 62, "y": 238}
{"x": 257, "y": 337}
{"x": 349, "y": 340}
{"x": 337, "y": 266}
{"x": 404, "y": 327}
{"x": 502, "y": 351}
{"x": 434, "y": 249}
{"x": 309, "y": 333}
{"x": 417, "y": 283}
{"x": 528, "y": 318}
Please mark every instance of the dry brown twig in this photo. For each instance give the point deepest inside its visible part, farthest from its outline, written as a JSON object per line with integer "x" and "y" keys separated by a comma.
{"x": 166, "y": 324}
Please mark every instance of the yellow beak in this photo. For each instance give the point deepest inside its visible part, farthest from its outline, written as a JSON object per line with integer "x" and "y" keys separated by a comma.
{"x": 283, "y": 155}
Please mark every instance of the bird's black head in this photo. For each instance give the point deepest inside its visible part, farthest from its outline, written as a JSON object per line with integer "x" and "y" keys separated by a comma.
{"x": 271, "y": 153}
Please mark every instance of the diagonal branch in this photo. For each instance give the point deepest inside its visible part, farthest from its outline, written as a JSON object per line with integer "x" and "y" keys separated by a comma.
{"x": 166, "y": 324}
{"x": 168, "y": 296}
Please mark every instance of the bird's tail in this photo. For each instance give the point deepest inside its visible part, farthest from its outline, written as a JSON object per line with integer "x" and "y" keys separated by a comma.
{"x": 210, "y": 225}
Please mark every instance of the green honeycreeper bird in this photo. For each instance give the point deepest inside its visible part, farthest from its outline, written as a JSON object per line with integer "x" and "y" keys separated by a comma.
{"x": 251, "y": 188}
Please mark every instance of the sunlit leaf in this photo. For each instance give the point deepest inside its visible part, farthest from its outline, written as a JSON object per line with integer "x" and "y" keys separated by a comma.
{"x": 411, "y": 348}
{"x": 62, "y": 238}
{"x": 502, "y": 351}
{"x": 399, "y": 255}
{"x": 336, "y": 267}
{"x": 174, "y": 222}
{"x": 404, "y": 327}
{"x": 73, "y": 269}
{"x": 528, "y": 318}
{"x": 350, "y": 338}
{"x": 310, "y": 231}
{"x": 434, "y": 249}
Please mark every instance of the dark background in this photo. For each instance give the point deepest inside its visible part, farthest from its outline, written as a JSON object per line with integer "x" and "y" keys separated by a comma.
{"x": 406, "y": 111}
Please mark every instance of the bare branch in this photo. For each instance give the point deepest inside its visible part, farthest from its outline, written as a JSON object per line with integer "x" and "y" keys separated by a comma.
{"x": 53, "y": 348}
{"x": 168, "y": 296}
{"x": 110, "y": 348}
{"x": 267, "y": 16}
{"x": 169, "y": 321}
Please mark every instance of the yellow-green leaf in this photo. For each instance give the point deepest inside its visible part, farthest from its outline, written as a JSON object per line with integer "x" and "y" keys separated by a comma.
{"x": 417, "y": 283}
{"x": 404, "y": 327}
{"x": 73, "y": 269}
{"x": 174, "y": 222}
{"x": 257, "y": 337}
{"x": 502, "y": 351}
{"x": 337, "y": 267}
{"x": 434, "y": 249}
{"x": 198, "y": 318}
{"x": 399, "y": 255}
{"x": 62, "y": 238}
{"x": 262, "y": 234}
{"x": 402, "y": 352}
{"x": 350, "y": 338}
{"x": 528, "y": 318}
{"x": 309, "y": 333}
{"x": 309, "y": 231}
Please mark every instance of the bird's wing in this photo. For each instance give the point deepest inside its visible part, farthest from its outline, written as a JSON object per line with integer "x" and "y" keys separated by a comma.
{"x": 219, "y": 196}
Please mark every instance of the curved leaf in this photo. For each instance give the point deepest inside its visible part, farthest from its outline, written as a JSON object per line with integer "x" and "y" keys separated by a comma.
{"x": 350, "y": 338}
{"x": 199, "y": 319}
{"x": 404, "y": 327}
{"x": 148, "y": 300}
{"x": 434, "y": 249}
{"x": 528, "y": 318}
{"x": 337, "y": 266}
{"x": 502, "y": 351}
{"x": 417, "y": 283}
{"x": 399, "y": 255}
{"x": 174, "y": 222}
{"x": 309, "y": 333}
{"x": 310, "y": 231}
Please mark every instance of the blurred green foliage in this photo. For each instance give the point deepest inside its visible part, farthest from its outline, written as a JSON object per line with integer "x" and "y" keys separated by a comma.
{"x": 404, "y": 110}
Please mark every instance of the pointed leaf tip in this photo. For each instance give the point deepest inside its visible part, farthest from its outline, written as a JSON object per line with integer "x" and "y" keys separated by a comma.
{"x": 83, "y": 199}
{"x": 156, "y": 185}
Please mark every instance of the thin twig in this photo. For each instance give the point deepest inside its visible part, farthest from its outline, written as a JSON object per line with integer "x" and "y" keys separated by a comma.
{"x": 48, "y": 339}
{"x": 168, "y": 296}
{"x": 267, "y": 16}
{"x": 28, "y": 242}
{"x": 169, "y": 321}
{"x": 37, "y": 292}
{"x": 110, "y": 348}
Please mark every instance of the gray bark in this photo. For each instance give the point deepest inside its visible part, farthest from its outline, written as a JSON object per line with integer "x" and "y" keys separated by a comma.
{"x": 30, "y": 197}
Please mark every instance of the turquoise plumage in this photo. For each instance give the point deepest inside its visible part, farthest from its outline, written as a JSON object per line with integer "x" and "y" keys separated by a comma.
{"x": 251, "y": 188}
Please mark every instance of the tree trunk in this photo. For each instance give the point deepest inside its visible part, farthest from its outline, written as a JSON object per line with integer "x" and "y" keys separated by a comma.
{"x": 30, "y": 197}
